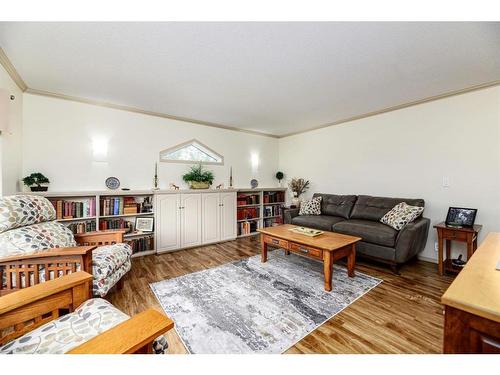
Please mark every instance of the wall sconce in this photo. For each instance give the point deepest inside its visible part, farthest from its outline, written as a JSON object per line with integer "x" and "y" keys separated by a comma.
{"x": 100, "y": 149}
{"x": 254, "y": 160}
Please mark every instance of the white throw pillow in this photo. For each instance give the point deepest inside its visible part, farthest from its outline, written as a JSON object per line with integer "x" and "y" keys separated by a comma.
{"x": 311, "y": 207}
{"x": 401, "y": 215}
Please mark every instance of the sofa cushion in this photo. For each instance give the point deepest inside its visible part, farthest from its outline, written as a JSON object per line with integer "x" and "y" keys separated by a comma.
{"x": 401, "y": 215}
{"x": 67, "y": 332}
{"x": 21, "y": 210}
{"x": 32, "y": 238}
{"x": 311, "y": 207}
{"x": 374, "y": 208}
{"x": 321, "y": 222}
{"x": 336, "y": 205}
{"x": 108, "y": 258}
{"x": 370, "y": 231}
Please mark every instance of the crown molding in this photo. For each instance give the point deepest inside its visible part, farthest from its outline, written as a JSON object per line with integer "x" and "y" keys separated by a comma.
{"x": 7, "y": 64}
{"x": 143, "y": 111}
{"x": 397, "y": 107}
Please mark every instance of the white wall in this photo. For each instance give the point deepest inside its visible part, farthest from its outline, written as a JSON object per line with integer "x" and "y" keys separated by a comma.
{"x": 406, "y": 153}
{"x": 58, "y": 136}
{"x": 11, "y": 139}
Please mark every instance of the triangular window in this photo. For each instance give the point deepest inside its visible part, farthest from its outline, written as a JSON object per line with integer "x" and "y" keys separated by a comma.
{"x": 191, "y": 152}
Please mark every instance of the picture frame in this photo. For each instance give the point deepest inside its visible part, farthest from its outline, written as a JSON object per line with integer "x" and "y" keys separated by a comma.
{"x": 144, "y": 224}
{"x": 461, "y": 217}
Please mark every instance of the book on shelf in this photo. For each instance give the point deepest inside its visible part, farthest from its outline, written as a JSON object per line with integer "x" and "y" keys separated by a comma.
{"x": 113, "y": 206}
{"x": 142, "y": 244}
{"x": 246, "y": 213}
{"x": 274, "y": 197}
{"x": 82, "y": 227}
{"x": 274, "y": 210}
{"x": 68, "y": 209}
{"x": 246, "y": 199}
{"x": 247, "y": 227}
{"x": 272, "y": 222}
{"x": 106, "y": 224}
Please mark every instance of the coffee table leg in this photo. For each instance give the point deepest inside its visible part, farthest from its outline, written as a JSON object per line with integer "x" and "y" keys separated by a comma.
{"x": 327, "y": 269}
{"x": 263, "y": 245}
{"x": 351, "y": 261}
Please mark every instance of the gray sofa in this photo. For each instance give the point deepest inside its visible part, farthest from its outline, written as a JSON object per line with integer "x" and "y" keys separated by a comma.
{"x": 360, "y": 216}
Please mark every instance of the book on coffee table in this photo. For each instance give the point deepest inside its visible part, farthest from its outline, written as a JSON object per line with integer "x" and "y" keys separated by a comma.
{"x": 306, "y": 231}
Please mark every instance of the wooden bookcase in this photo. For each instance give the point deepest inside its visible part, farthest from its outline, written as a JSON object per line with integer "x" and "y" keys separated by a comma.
{"x": 95, "y": 220}
{"x": 258, "y": 208}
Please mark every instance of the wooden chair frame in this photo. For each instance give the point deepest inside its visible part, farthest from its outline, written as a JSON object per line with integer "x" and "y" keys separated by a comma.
{"x": 59, "y": 261}
{"x": 29, "y": 308}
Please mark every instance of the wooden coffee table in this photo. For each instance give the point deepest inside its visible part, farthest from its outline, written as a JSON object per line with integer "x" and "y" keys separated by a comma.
{"x": 327, "y": 247}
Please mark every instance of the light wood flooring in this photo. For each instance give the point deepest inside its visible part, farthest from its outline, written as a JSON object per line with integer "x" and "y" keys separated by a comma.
{"x": 401, "y": 315}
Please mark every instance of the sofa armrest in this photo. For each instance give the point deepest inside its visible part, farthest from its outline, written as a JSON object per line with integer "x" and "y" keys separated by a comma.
{"x": 105, "y": 237}
{"x": 134, "y": 335}
{"x": 289, "y": 214}
{"x": 49, "y": 253}
{"x": 411, "y": 239}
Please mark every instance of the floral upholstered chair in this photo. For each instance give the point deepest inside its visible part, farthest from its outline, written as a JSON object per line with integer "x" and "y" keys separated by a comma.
{"x": 34, "y": 248}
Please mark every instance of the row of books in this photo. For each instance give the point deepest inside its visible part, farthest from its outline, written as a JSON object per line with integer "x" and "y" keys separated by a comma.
{"x": 142, "y": 244}
{"x": 272, "y": 210}
{"x": 66, "y": 209}
{"x": 247, "y": 227}
{"x": 245, "y": 199}
{"x": 123, "y": 206}
{"x": 105, "y": 224}
{"x": 274, "y": 197}
{"x": 247, "y": 213}
{"x": 272, "y": 222}
{"x": 83, "y": 226}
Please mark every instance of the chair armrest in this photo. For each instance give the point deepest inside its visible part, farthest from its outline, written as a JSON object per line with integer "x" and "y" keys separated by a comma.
{"x": 131, "y": 336}
{"x": 54, "y": 252}
{"x": 290, "y": 214}
{"x": 105, "y": 237}
{"x": 411, "y": 239}
{"x": 38, "y": 292}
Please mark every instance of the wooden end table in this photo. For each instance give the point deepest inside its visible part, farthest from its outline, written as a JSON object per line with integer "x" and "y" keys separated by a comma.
{"x": 446, "y": 234}
{"x": 327, "y": 247}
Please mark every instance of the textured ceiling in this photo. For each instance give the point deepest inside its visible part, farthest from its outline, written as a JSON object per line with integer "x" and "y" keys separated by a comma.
{"x": 274, "y": 78}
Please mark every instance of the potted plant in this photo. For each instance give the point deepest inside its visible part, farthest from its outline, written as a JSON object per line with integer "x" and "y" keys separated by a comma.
{"x": 279, "y": 176}
{"x": 35, "y": 181}
{"x": 298, "y": 186}
{"x": 198, "y": 177}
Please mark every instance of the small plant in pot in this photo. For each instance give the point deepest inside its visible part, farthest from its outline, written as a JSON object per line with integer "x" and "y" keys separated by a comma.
{"x": 35, "y": 181}
{"x": 198, "y": 177}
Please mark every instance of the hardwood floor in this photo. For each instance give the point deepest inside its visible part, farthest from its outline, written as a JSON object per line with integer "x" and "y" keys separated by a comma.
{"x": 401, "y": 315}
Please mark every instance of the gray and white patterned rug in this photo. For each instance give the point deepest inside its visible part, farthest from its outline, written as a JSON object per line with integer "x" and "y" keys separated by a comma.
{"x": 253, "y": 307}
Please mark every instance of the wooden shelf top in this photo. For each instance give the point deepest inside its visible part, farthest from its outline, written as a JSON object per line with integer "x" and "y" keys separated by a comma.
{"x": 476, "y": 289}
{"x": 476, "y": 228}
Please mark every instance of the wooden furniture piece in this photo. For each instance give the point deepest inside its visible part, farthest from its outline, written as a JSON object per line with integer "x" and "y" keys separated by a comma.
{"x": 327, "y": 247}
{"x": 61, "y": 261}
{"x": 27, "y": 309}
{"x": 446, "y": 234}
{"x": 194, "y": 218}
{"x": 472, "y": 303}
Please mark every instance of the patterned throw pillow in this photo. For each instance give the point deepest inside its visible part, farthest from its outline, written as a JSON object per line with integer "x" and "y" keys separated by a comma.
{"x": 311, "y": 207}
{"x": 401, "y": 215}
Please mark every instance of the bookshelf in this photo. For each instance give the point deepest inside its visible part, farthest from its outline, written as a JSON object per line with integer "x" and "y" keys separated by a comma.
{"x": 258, "y": 208}
{"x": 106, "y": 210}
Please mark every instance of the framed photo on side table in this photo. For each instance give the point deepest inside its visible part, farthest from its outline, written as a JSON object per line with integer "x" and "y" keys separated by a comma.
{"x": 144, "y": 224}
{"x": 461, "y": 217}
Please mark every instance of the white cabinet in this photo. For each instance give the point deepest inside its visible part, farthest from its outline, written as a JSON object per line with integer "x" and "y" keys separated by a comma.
{"x": 168, "y": 224}
{"x": 211, "y": 214}
{"x": 190, "y": 220}
{"x": 187, "y": 220}
{"x": 227, "y": 216}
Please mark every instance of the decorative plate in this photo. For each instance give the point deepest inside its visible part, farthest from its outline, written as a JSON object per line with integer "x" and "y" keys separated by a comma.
{"x": 112, "y": 183}
{"x": 254, "y": 183}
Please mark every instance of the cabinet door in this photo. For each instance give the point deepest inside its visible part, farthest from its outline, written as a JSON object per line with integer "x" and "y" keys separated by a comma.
{"x": 167, "y": 225}
{"x": 228, "y": 216}
{"x": 190, "y": 220}
{"x": 210, "y": 224}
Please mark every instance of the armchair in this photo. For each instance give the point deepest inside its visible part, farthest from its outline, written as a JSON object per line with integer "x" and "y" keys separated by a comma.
{"x": 31, "y": 322}
{"x": 35, "y": 248}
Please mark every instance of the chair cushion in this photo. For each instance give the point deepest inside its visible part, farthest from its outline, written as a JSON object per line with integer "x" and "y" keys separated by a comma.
{"x": 322, "y": 222}
{"x": 336, "y": 205}
{"x": 109, "y": 258}
{"x": 32, "y": 238}
{"x": 21, "y": 210}
{"x": 101, "y": 287}
{"x": 374, "y": 208}
{"x": 370, "y": 231}
{"x": 67, "y": 332}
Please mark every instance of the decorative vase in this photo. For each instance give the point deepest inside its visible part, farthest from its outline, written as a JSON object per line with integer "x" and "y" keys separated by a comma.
{"x": 199, "y": 185}
{"x": 39, "y": 188}
{"x": 295, "y": 200}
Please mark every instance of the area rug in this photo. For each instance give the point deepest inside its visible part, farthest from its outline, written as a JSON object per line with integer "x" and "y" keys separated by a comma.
{"x": 253, "y": 307}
